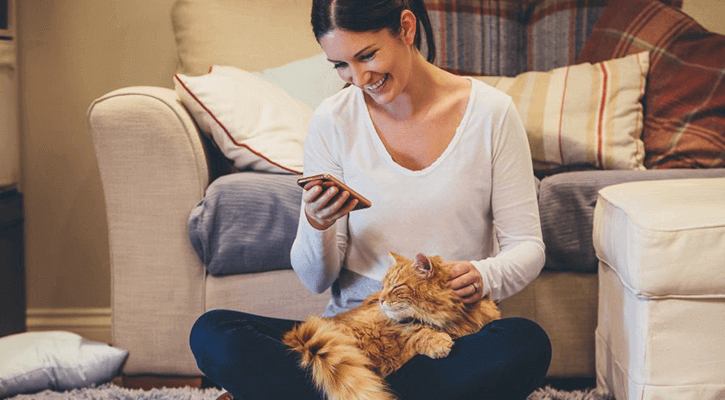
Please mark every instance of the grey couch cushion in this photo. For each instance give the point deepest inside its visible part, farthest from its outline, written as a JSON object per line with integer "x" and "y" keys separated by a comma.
{"x": 566, "y": 207}
{"x": 246, "y": 222}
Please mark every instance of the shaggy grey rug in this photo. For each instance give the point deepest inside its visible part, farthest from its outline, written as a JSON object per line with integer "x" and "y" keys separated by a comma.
{"x": 113, "y": 392}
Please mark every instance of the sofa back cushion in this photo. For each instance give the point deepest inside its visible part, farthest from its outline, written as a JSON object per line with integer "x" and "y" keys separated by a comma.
{"x": 501, "y": 37}
{"x": 508, "y": 37}
{"x": 251, "y": 34}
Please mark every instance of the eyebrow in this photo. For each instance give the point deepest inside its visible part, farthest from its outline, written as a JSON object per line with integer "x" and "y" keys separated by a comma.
{"x": 356, "y": 54}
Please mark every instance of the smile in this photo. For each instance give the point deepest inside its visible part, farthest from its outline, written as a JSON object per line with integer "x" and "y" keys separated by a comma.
{"x": 375, "y": 86}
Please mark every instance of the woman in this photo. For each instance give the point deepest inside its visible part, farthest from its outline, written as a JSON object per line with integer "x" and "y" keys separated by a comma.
{"x": 444, "y": 160}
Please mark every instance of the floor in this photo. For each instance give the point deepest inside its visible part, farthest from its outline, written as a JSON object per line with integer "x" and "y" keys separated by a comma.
{"x": 150, "y": 382}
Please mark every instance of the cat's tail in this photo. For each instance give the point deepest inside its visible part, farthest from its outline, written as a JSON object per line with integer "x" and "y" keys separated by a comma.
{"x": 337, "y": 365}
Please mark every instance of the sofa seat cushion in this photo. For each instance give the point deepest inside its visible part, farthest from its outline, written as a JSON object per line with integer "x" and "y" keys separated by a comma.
{"x": 665, "y": 238}
{"x": 246, "y": 222}
{"x": 566, "y": 208}
{"x": 289, "y": 299}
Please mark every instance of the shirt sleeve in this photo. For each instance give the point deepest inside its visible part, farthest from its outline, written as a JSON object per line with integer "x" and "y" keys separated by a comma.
{"x": 316, "y": 256}
{"x": 515, "y": 213}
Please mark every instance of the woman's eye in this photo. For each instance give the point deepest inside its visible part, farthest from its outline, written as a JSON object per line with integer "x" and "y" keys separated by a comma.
{"x": 369, "y": 56}
{"x": 338, "y": 65}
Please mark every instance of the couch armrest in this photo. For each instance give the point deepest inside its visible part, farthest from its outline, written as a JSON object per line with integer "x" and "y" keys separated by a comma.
{"x": 153, "y": 170}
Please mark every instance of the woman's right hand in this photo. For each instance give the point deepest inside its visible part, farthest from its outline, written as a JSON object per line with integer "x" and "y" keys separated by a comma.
{"x": 324, "y": 207}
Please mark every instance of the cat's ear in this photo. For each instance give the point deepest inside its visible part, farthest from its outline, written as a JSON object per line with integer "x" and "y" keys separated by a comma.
{"x": 397, "y": 258}
{"x": 423, "y": 264}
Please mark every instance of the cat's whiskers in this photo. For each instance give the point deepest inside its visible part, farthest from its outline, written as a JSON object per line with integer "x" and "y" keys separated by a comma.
{"x": 397, "y": 313}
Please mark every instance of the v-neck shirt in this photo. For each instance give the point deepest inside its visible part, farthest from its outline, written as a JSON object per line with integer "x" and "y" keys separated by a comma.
{"x": 483, "y": 179}
{"x": 382, "y": 149}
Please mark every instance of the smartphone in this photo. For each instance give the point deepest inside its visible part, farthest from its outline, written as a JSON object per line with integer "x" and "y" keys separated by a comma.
{"x": 328, "y": 181}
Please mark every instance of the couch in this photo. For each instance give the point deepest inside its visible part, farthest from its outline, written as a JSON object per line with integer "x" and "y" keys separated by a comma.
{"x": 169, "y": 188}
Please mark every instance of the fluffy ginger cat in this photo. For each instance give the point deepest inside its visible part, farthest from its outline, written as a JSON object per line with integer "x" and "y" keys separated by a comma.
{"x": 415, "y": 313}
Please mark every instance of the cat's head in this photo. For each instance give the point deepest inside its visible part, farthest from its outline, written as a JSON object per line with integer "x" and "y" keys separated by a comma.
{"x": 418, "y": 289}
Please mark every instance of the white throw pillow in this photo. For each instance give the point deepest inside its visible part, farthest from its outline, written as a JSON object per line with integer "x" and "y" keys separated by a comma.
{"x": 310, "y": 80}
{"x": 255, "y": 123}
{"x": 35, "y": 361}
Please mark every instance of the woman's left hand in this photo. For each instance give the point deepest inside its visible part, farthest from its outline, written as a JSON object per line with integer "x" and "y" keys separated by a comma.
{"x": 466, "y": 281}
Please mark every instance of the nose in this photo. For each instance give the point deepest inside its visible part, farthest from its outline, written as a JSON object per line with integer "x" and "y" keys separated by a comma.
{"x": 358, "y": 75}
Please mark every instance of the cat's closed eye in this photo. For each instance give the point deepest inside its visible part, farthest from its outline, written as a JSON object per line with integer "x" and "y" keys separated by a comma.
{"x": 398, "y": 288}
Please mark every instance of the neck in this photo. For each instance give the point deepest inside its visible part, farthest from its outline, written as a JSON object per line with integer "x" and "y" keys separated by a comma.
{"x": 418, "y": 94}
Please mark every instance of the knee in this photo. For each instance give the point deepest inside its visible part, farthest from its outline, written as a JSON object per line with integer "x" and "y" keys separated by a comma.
{"x": 533, "y": 355}
{"x": 540, "y": 347}
{"x": 533, "y": 342}
{"x": 205, "y": 339}
{"x": 201, "y": 330}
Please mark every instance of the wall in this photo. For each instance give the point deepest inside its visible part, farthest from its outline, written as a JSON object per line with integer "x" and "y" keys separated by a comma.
{"x": 709, "y": 13}
{"x": 70, "y": 53}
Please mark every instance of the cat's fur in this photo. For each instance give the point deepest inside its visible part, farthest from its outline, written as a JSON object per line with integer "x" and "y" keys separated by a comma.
{"x": 415, "y": 313}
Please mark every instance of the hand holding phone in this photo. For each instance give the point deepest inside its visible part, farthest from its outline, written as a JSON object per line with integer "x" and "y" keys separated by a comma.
{"x": 327, "y": 181}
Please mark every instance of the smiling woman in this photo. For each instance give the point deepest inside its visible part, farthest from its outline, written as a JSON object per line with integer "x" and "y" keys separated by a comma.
{"x": 446, "y": 162}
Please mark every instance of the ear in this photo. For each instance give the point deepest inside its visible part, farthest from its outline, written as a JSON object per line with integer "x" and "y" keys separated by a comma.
{"x": 408, "y": 26}
{"x": 423, "y": 264}
{"x": 397, "y": 258}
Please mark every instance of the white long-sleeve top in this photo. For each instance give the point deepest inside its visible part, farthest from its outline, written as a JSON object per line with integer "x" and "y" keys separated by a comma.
{"x": 481, "y": 189}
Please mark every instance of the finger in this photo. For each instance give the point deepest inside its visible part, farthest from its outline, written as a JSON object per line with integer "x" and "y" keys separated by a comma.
{"x": 346, "y": 209}
{"x": 472, "y": 299}
{"x": 317, "y": 201}
{"x": 463, "y": 281}
{"x": 333, "y": 208}
{"x": 457, "y": 269}
{"x": 466, "y": 291}
{"x": 476, "y": 295}
{"x": 310, "y": 195}
{"x": 312, "y": 184}
{"x": 322, "y": 201}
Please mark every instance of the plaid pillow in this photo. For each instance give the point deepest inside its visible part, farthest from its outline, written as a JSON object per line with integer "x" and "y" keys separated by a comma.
{"x": 508, "y": 37}
{"x": 684, "y": 124}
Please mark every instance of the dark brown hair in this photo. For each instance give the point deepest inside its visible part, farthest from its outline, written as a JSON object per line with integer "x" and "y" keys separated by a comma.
{"x": 371, "y": 15}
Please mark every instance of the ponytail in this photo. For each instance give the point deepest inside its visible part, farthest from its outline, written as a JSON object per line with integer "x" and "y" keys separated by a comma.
{"x": 421, "y": 14}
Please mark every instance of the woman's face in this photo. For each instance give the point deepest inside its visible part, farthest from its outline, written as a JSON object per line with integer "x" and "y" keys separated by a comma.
{"x": 377, "y": 62}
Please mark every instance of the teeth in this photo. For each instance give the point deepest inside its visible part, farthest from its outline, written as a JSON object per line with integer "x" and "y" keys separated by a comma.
{"x": 377, "y": 84}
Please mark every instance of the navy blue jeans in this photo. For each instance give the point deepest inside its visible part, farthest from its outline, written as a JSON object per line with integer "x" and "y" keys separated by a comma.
{"x": 243, "y": 353}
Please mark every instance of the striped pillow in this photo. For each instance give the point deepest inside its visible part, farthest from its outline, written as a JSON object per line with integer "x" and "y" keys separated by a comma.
{"x": 586, "y": 114}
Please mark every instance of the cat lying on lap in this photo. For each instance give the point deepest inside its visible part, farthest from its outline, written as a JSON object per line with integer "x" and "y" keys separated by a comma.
{"x": 415, "y": 313}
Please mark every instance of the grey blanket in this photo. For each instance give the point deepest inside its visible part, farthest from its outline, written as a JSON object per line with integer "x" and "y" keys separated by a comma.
{"x": 248, "y": 220}
{"x": 566, "y": 208}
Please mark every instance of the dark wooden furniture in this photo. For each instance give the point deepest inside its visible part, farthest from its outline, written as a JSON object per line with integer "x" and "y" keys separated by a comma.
{"x": 12, "y": 274}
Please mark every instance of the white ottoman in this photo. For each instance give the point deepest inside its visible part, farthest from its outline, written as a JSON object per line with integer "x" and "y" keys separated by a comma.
{"x": 661, "y": 323}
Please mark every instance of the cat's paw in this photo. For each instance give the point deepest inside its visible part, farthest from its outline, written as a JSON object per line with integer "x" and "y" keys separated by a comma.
{"x": 439, "y": 346}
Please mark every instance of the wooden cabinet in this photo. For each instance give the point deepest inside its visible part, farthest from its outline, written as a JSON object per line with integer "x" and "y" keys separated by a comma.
{"x": 12, "y": 272}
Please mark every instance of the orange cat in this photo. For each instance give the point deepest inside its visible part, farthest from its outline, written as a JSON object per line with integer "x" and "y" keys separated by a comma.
{"x": 415, "y": 313}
